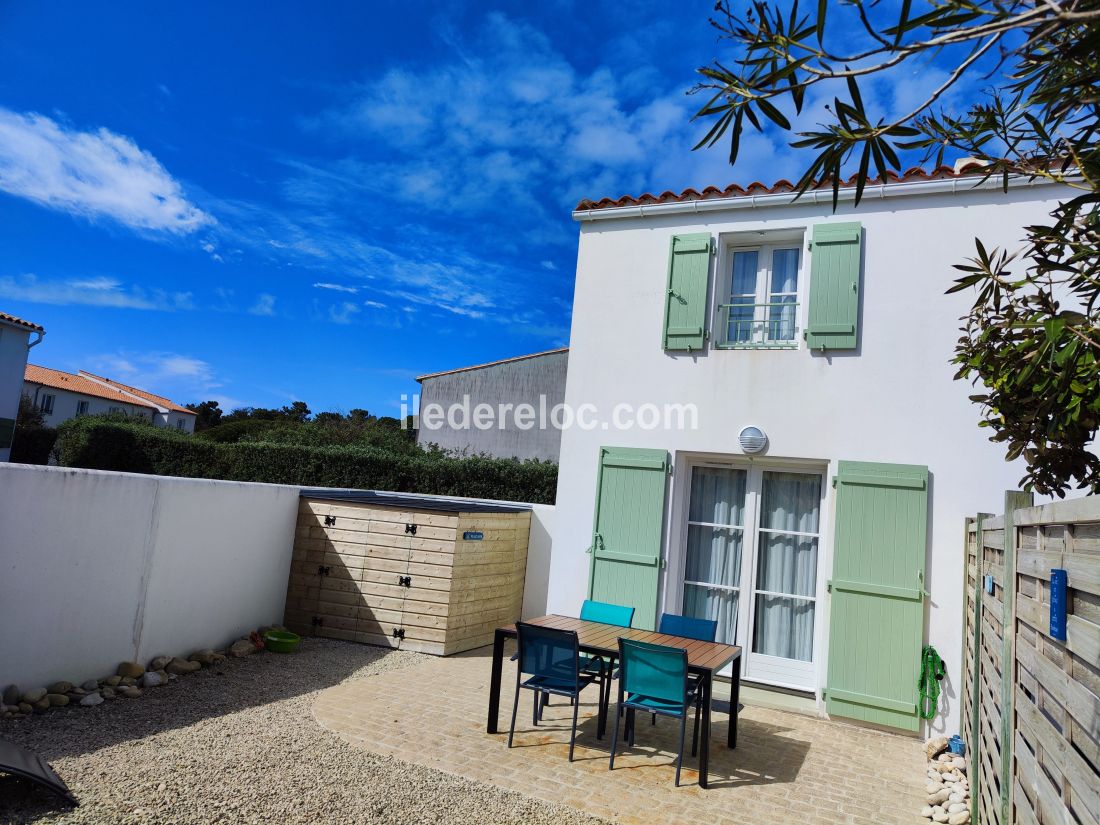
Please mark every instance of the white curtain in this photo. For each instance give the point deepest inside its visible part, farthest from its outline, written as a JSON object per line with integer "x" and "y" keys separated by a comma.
{"x": 714, "y": 552}
{"x": 784, "y": 624}
{"x": 742, "y": 296}
{"x": 784, "y": 286}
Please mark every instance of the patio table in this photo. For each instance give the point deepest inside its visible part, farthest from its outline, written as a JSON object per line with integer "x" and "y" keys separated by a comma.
{"x": 704, "y": 659}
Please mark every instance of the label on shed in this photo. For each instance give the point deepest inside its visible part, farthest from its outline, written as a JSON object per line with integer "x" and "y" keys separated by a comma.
{"x": 473, "y": 535}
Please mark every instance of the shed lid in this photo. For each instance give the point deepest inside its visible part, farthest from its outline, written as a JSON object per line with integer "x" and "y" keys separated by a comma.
{"x": 412, "y": 501}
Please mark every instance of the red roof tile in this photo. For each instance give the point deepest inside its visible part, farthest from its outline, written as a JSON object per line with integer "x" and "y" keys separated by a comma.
{"x": 76, "y": 383}
{"x": 780, "y": 186}
{"x": 148, "y": 396}
{"x": 19, "y": 322}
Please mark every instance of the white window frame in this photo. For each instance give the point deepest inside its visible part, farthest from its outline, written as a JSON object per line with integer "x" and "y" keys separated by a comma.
{"x": 764, "y": 244}
{"x": 82, "y": 406}
{"x": 46, "y": 402}
{"x": 760, "y": 668}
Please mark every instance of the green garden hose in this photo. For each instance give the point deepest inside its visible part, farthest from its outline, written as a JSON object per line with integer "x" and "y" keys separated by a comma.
{"x": 931, "y": 672}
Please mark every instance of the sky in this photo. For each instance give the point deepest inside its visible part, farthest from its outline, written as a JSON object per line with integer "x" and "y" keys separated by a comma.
{"x": 257, "y": 203}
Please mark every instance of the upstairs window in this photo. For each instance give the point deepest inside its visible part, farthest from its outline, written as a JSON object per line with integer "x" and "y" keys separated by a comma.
{"x": 762, "y": 305}
{"x": 81, "y": 407}
{"x": 45, "y": 403}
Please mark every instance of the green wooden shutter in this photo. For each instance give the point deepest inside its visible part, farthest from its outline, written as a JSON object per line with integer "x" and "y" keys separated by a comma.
{"x": 876, "y": 624}
{"x": 834, "y": 286}
{"x": 686, "y": 295}
{"x": 7, "y": 431}
{"x": 627, "y": 530}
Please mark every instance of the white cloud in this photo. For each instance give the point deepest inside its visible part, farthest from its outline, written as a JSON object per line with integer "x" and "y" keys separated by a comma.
{"x": 99, "y": 291}
{"x": 550, "y": 265}
{"x": 183, "y": 378}
{"x": 92, "y": 174}
{"x": 343, "y": 313}
{"x": 337, "y": 287}
{"x": 374, "y": 304}
{"x": 265, "y": 305}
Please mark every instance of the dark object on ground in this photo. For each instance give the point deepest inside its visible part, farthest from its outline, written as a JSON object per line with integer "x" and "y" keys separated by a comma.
{"x": 29, "y": 765}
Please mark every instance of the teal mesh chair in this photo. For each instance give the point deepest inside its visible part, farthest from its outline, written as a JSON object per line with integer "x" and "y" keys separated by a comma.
{"x": 705, "y": 630}
{"x": 654, "y": 679}
{"x": 605, "y": 613}
{"x": 551, "y": 660}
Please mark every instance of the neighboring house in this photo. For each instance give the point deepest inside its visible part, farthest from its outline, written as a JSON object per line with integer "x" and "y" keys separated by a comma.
{"x": 816, "y": 509}
{"x": 15, "y": 342}
{"x": 537, "y": 380}
{"x": 64, "y": 395}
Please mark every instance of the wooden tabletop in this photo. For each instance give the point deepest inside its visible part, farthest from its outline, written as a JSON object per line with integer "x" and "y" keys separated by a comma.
{"x": 595, "y": 637}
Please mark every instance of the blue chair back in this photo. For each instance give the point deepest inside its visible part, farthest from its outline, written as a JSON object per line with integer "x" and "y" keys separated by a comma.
{"x": 605, "y": 613}
{"x": 656, "y": 671}
{"x": 544, "y": 651}
{"x": 705, "y": 630}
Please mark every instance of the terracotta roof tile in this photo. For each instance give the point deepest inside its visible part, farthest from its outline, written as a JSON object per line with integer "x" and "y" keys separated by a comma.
{"x": 911, "y": 175}
{"x": 19, "y": 322}
{"x": 76, "y": 383}
{"x": 148, "y": 396}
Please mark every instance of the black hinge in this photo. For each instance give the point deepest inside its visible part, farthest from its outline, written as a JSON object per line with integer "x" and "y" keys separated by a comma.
{"x": 410, "y": 528}
{"x": 399, "y": 633}
{"x": 317, "y": 621}
{"x": 405, "y": 581}
{"x": 322, "y": 570}
{"x": 330, "y": 520}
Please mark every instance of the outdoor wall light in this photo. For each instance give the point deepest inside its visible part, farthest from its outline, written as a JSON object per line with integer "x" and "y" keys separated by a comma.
{"x": 752, "y": 440}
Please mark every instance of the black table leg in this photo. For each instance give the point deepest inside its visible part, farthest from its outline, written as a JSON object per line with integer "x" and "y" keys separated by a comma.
{"x": 494, "y": 681}
{"x": 705, "y": 684}
{"x": 735, "y": 701}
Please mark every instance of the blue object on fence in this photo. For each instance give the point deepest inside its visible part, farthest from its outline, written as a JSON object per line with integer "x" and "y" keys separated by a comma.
{"x": 989, "y": 583}
{"x": 1058, "y": 583}
{"x": 956, "y": 745}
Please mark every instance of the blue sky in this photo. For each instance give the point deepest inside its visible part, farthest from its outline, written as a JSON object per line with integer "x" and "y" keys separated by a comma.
{"x": 259, "y": 203}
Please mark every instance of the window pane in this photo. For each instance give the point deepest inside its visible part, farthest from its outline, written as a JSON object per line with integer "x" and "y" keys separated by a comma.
{"x": 745, "y": 265}
{"x": 781, "y": 319}
{"x": 791, "y": 501}
{"x": 784, "y": 627}
{"x": 714, "y": 555}
{"x": 717, "y": 495}
{"x": 785, "y": 270}
{"x": 718, "y": 605}
{"x": 788, "y": 564}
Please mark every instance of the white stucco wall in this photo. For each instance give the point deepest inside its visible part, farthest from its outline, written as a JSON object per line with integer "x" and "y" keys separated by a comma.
{"x": 13, "y": 362}
{"x": 98, "y": 568}
{"x": 892, "y": 400}
{"x": 65, "y": 402}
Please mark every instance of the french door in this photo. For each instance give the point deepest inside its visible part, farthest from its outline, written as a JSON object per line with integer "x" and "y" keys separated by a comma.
{"x": 751, "y": 563}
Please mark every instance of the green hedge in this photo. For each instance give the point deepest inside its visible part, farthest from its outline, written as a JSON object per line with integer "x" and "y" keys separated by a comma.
{"x": 126, "y": 447}
{"x": 32, "y": 445}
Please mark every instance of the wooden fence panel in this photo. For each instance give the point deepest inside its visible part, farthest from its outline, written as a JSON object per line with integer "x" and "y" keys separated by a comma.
{"x": 1051, "y": 772}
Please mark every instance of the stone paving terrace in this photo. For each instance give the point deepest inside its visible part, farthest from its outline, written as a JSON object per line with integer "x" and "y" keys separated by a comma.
{"x": 787, "y": 767}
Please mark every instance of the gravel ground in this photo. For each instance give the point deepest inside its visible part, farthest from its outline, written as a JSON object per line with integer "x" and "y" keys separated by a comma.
{"x": 237, "y": 744}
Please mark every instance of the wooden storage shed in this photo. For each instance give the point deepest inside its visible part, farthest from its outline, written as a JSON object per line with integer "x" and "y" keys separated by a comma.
{"x": 414, "y": 572}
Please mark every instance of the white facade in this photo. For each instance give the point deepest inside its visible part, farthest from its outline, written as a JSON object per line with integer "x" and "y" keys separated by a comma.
{"x": 891, "y": 399}
{"x": 15, "y": 340}
{"x": 61, "y": 396}
{"x": 59, "y": 405}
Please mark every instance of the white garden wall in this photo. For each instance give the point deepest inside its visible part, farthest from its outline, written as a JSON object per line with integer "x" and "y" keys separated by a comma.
{"x": 98, "y": 568}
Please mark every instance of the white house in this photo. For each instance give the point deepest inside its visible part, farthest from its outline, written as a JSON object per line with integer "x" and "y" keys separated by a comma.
{"x": 64, "y": 395}
{"x": 815, "y": 505}
{"x": 15, "y": 343}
